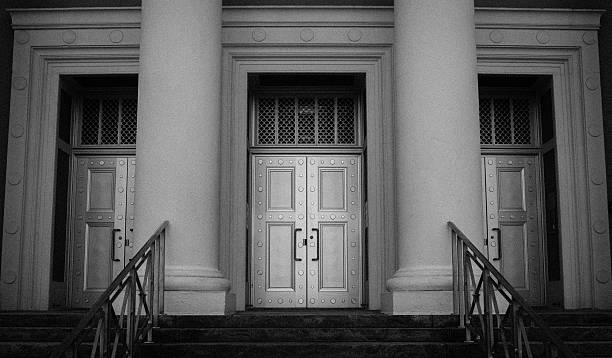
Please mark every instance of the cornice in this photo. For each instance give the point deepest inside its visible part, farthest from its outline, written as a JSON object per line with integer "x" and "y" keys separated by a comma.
{"x": 78, "y": 17}
{"x": 306, "y": 16}
{"x": 537, "y": 18}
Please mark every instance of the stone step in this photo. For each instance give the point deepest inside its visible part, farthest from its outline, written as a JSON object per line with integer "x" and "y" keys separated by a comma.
{"x": 575, "y": 333}
{"x": 583, "y": 349}
{"x": 576, "y": 318}
{"x": 328, "y": 349}
{"x": 310, "y": 321}
{"x": 34, "y": 334}
{"x": 203, "y": 335}
{"x": 40, "y": 319}
{"x": 26, "y": 349}
{"x": 300, "y": 334}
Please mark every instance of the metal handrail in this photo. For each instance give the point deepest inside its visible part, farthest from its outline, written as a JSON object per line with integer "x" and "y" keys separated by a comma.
{"x": 142, "y": 301}
{"x": 489, "y": 321}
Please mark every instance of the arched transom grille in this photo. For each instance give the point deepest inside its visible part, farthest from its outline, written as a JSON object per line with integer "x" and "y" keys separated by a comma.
{"x": 108, "y": 121}
{"x": 306, "y": 120}
{"x": 505, "y": 120}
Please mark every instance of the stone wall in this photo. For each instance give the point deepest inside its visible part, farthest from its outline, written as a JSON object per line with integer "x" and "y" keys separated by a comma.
{"x": 6, "y": 45}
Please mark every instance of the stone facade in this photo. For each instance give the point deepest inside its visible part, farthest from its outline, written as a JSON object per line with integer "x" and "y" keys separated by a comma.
{"x": 421, "y": 78}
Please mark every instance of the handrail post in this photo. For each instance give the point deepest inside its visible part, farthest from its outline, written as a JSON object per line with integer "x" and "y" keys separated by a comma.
{"x": 466, "y": 294}
{"x": 156, "y": 281}
{"x": 456, "y": 283}
{"x": 515, "y": 331}
{"x": 150, "y": 288}
{"x": 162, "y": 268}
{"x": 131, "y": 316}
{"x": 105, "y": 331}
{"x": 488, "y": 329}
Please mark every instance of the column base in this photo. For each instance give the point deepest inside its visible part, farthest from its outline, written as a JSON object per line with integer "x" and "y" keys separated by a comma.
{"x": 193, "y": 290}
{"x": 417, "y": 302}
{"x": 419, "y": 291}
{"x": 199, "y": 303}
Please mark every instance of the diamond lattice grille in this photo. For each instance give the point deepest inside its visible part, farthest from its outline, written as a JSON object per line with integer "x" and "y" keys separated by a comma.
{"x": 346, "y": 121}
{"x": 128, "y": 120}
{"x": 326, "y": 123}
{"x": 108, "y": 121}
{"x": 486, "y": 135}
{"x": 522, "y": 123}
{"x": 266, "y": 130}
{"x": 505, "y": 121}
{"x": 90, "y": 122}
{"x": 286, "y": 121}
{"x": 306, "y": 121}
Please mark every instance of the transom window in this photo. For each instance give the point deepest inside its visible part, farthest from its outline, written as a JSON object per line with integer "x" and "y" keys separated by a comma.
{"x": 506, "y": 120}
{"x": 108, "y": 121}
{"x": 306, "y": 120}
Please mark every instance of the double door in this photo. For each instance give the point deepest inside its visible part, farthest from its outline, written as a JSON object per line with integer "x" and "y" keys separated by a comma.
{"x": 306, "y": 248}
{"x": 102, "y": 224}
{"x": 513, "y": 219}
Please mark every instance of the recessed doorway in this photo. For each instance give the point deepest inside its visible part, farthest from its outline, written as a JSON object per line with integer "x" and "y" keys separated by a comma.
{"x": 519, "y": 184}
{"x": 94, "y": 201}
{"x": 307, "y": 191}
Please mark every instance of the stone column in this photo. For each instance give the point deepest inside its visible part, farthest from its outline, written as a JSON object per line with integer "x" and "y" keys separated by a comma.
{"x": 178, "y": 169}
{"x": 437, "y": 149}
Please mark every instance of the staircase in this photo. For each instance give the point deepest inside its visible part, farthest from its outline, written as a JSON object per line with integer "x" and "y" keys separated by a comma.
{"x": 34, "y": 334}
{"x": 327, "y": 334}
{"x": 586, "y": 333}
{"x": 300, "y": 334}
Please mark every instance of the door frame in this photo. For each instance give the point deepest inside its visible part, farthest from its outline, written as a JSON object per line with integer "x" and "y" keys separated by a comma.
{"x": 31, "y": 162}
{"x": 375, "y": 63}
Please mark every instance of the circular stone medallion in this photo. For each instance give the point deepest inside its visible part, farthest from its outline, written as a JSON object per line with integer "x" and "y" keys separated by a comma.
{"x": 354, "y": 35}
{"x": 496, "y": 36}
{"x": 20, "y": 83}
{"x": 603, "y": 276}
{"x": 22, "y": 37}
{"x": 11, "y": 227}
{"x": 69, "y": 36}
{"x": 258, "y": 35}
{"x": 307, "y": 35}
{"x": 115, "y": 36}
{"x": 9, "y": 277}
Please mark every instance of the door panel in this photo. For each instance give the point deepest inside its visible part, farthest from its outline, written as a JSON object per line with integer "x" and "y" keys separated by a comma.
{"x": 334, "y": 218}
{"x": 97, "y": 262}
{"x": 279, "y": 270}
{"x": 513, "y": 215}
{"x": 514, "y": 260}
{"x": 306, "y": 242}
{"x": 333, "y": 275}
{"x": 99, "y": 224}
{"x": 278, "y": 225}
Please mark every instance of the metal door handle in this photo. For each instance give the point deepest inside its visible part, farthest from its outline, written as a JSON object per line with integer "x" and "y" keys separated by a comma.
{"x": 318, "y": 248}
{"x": 113, "y": 247}
{"x": 295, "y": 244}
{"x": 499, "y": 243}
